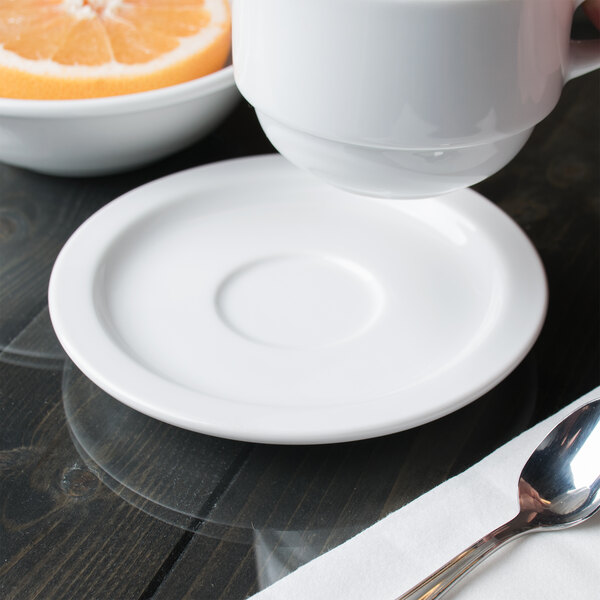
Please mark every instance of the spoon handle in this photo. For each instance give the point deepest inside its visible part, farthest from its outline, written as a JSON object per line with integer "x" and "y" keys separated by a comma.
{"x": 445, "y": 577}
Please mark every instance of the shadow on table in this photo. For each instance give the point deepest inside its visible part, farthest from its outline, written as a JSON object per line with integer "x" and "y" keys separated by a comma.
{"x": 284, "y": 496}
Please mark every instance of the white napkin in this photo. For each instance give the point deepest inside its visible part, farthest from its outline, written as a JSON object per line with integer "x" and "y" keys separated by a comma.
{"x": 390, "y": 557}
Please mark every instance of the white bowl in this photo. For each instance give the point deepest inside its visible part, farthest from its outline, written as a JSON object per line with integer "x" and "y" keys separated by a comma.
{"x": 107, "y": 135}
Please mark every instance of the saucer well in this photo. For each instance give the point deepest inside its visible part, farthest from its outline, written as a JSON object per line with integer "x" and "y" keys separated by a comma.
{"x": 248, "y": 300}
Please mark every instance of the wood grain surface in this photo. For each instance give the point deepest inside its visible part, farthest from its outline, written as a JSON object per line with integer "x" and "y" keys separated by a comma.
{"x": 99, "y": 502}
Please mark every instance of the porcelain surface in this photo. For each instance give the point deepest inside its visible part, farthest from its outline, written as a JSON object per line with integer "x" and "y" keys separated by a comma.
{"x": 392, "y": 83}
{"x": 248, "y": 300}
{"x": 107, "y": 135}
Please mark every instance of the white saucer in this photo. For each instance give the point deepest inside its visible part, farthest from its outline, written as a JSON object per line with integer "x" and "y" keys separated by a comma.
{"x": 248, "y": 300}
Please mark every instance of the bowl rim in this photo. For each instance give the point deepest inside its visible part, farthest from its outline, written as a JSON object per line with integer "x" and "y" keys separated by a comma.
{"x": 107, "y": 105}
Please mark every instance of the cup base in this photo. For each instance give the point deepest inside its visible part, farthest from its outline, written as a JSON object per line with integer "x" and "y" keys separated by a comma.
{"x": 388, "y": 172}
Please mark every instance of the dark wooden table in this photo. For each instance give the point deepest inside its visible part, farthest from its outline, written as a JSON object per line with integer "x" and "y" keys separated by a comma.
{"x": 97, "y": 501}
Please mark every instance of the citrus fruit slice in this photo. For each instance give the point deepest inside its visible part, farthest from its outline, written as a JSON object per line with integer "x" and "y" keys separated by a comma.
{"x": 57, "y": 49}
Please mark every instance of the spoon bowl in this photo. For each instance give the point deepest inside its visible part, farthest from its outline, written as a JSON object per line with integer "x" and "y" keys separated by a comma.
{"x": 560, "y": 483}
{"x": 559, "y": 487}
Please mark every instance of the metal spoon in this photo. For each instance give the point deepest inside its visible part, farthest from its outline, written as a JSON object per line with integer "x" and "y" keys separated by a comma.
{"x": 558, "y": 487}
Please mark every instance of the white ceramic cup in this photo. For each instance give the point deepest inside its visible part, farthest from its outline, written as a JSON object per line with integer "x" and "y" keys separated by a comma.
{"x": 404, "y": 98}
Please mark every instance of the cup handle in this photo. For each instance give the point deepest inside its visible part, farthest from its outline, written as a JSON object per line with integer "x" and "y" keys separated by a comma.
{"x": 584, "y": 55}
